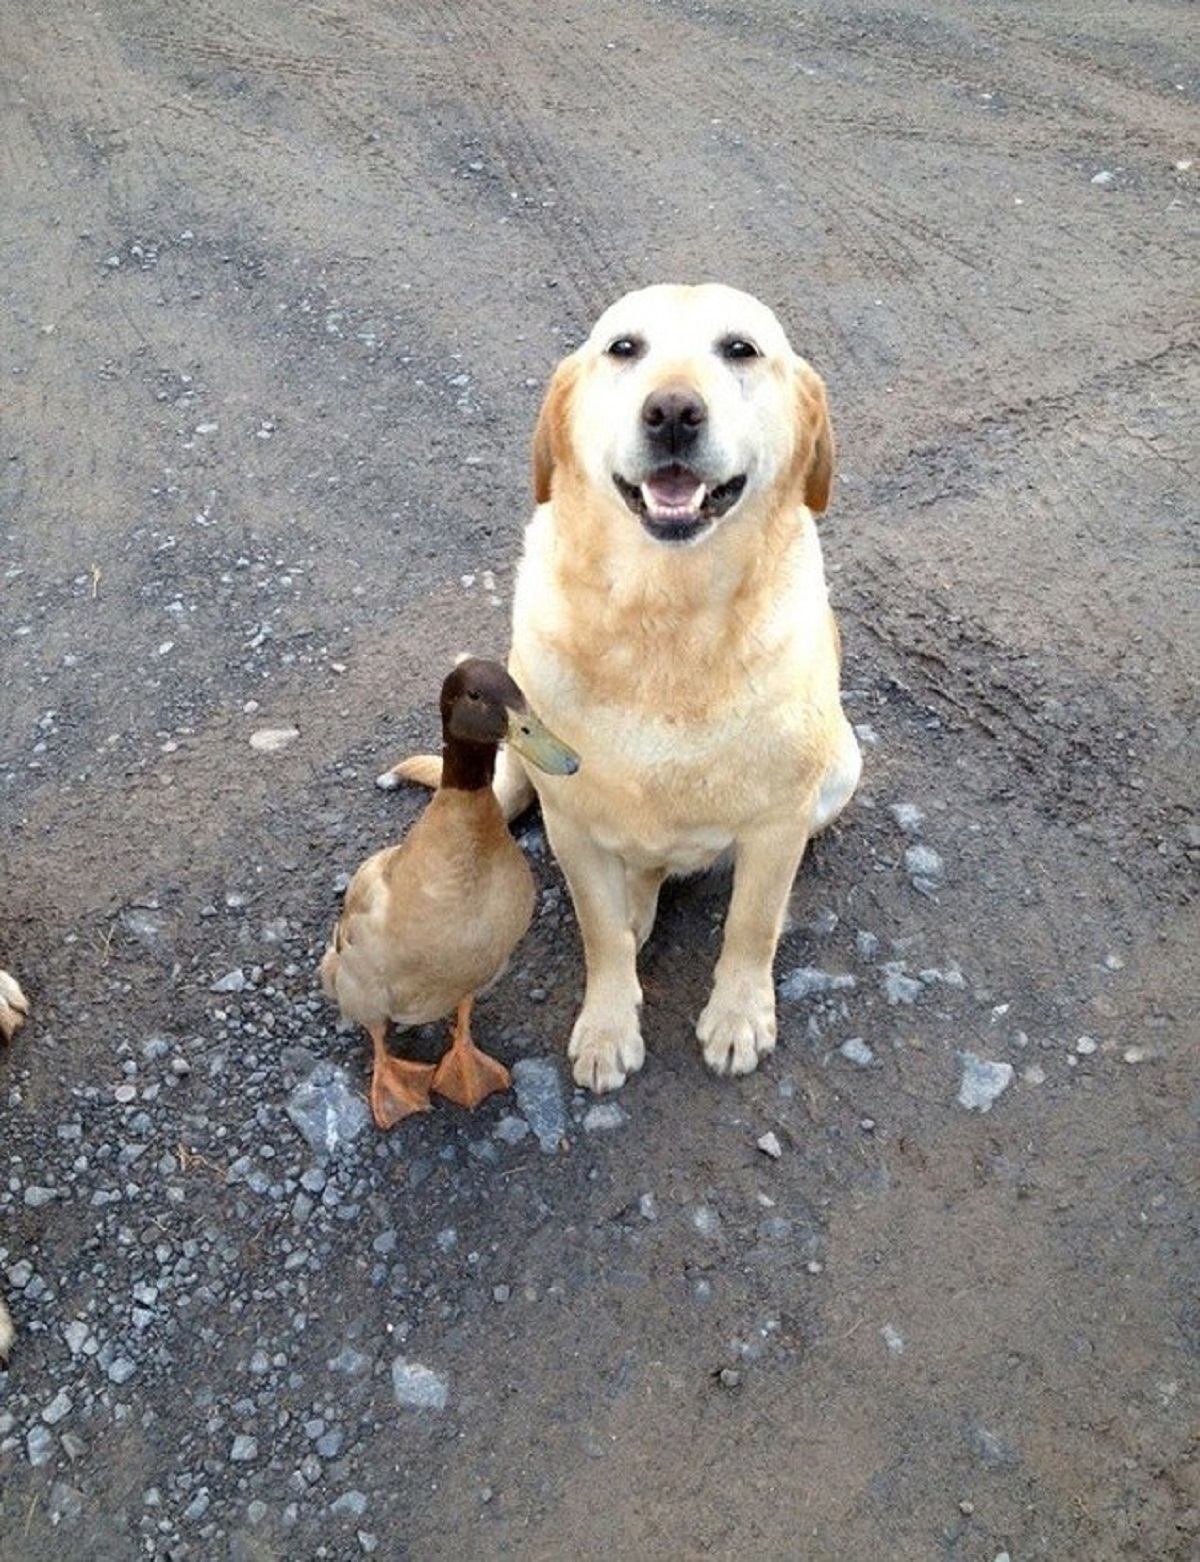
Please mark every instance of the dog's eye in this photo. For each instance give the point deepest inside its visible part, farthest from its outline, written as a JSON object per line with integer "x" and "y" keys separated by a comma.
{"x": 735, "y": 348}
{"x": 625, "y": 347}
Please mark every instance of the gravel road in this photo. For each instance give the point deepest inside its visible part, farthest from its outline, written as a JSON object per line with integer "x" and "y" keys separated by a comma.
{"x": 281, "y": 286}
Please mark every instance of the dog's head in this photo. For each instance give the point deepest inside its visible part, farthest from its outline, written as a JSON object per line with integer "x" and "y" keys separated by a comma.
{"x": 686, "y": 405}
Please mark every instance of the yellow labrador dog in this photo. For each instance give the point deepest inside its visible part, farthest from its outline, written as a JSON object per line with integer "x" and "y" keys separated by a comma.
{"x": 671, "y": 623}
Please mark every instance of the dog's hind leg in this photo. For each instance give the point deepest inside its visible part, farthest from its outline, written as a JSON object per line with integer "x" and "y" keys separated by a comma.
{"x": 840, "y": 781}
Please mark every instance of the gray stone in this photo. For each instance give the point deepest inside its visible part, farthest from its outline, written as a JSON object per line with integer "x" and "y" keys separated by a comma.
{"x": 511, "y": 1130}
{"x": 66, "y": 1503}
{"x": 604, "y": 1115}
{"x": 350, "y": 1361}
{"x": 58, "y": 1408}
{"x": 540, "y": 1098}
{"x": 808, "y": 981}
{"x": 231, "y": 982}
{"x": 856, "y": 1051}
{"x": 418, "y": 1387}
{"x": 897, "y": 987}
{"x": 908, "y": 816}
{"x": 121, "y": 1370}
{"x": 983, "y": 1082}
{"x": 922, "y": 862}
{"x": 327, "y": 1111}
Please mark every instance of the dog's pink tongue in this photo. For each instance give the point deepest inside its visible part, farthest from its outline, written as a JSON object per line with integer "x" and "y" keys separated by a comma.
{"x": 673, "y": 491}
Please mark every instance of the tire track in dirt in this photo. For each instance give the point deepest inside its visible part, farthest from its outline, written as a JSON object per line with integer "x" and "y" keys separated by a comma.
{"x": 537, "y": 163}
{"x": 1089, "y": 698}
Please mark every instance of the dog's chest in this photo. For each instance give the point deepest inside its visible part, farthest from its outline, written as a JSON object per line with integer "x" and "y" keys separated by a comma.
{"x": 661, "y": 793}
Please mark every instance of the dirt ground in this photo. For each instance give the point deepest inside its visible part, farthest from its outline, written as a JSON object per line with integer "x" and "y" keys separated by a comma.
{"x": 281, "y": 285}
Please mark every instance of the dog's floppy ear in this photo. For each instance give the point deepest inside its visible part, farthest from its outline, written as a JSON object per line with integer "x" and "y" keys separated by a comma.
{"x": 551, "y": 437}
{"x": 814, "y": 437}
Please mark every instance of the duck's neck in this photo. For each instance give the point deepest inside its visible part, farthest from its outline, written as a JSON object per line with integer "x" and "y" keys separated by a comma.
{"x": 467, "y": 767}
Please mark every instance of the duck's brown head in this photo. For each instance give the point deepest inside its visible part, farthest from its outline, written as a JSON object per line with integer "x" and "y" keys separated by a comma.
{"x": 483, "y": 707}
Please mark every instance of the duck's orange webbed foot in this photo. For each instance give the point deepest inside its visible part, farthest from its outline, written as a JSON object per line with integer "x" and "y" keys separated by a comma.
{"x": 399, "y": 1087}
{"x": 466, "y": 1075}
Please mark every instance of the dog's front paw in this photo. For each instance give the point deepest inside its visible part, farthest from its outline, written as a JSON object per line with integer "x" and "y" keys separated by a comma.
{"x": 737, "y": 1028}
{"x": 604, "y": 1049}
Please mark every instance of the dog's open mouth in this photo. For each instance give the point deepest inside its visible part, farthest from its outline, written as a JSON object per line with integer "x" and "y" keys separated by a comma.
{"x": 674, "y": 505}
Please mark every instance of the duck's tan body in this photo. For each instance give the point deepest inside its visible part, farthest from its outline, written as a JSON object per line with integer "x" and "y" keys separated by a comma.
{"x": 433, "y": 919}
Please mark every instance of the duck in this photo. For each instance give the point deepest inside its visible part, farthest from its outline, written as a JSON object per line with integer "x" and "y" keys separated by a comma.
{"x": 429, "y": 922}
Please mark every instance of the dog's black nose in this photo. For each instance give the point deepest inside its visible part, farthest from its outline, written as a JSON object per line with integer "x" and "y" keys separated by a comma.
{"x": 673, "y": 416}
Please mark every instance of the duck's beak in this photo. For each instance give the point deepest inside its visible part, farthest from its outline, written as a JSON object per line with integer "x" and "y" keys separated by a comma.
{"x": 534, "y": 741}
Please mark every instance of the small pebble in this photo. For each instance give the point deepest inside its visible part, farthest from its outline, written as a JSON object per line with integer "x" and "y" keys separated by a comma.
{"x": 417, "y": 1386}
{"x": 1085, "y": 1046}
{"x": 271, "y": 740}
{"x": 231, "y": 982}
{"x": 706, "y": 1220}
{"x": 899, "y": 988}
{"x": 908, "y": 816}
{"x": 922, "y": 862}
{"x": 856, "y": 1051}
{"x": 769, "y": 1145}
{"x": 58, "y": 1408}
{"x": 604, "y": 1116}
{"x": 983, "y": 1082}
{"x": 809, "y": 981}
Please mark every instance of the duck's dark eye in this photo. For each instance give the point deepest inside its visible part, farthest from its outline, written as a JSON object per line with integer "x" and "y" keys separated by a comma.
{"x": 736, "y": 348}
{"x": 625, "y": 347}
